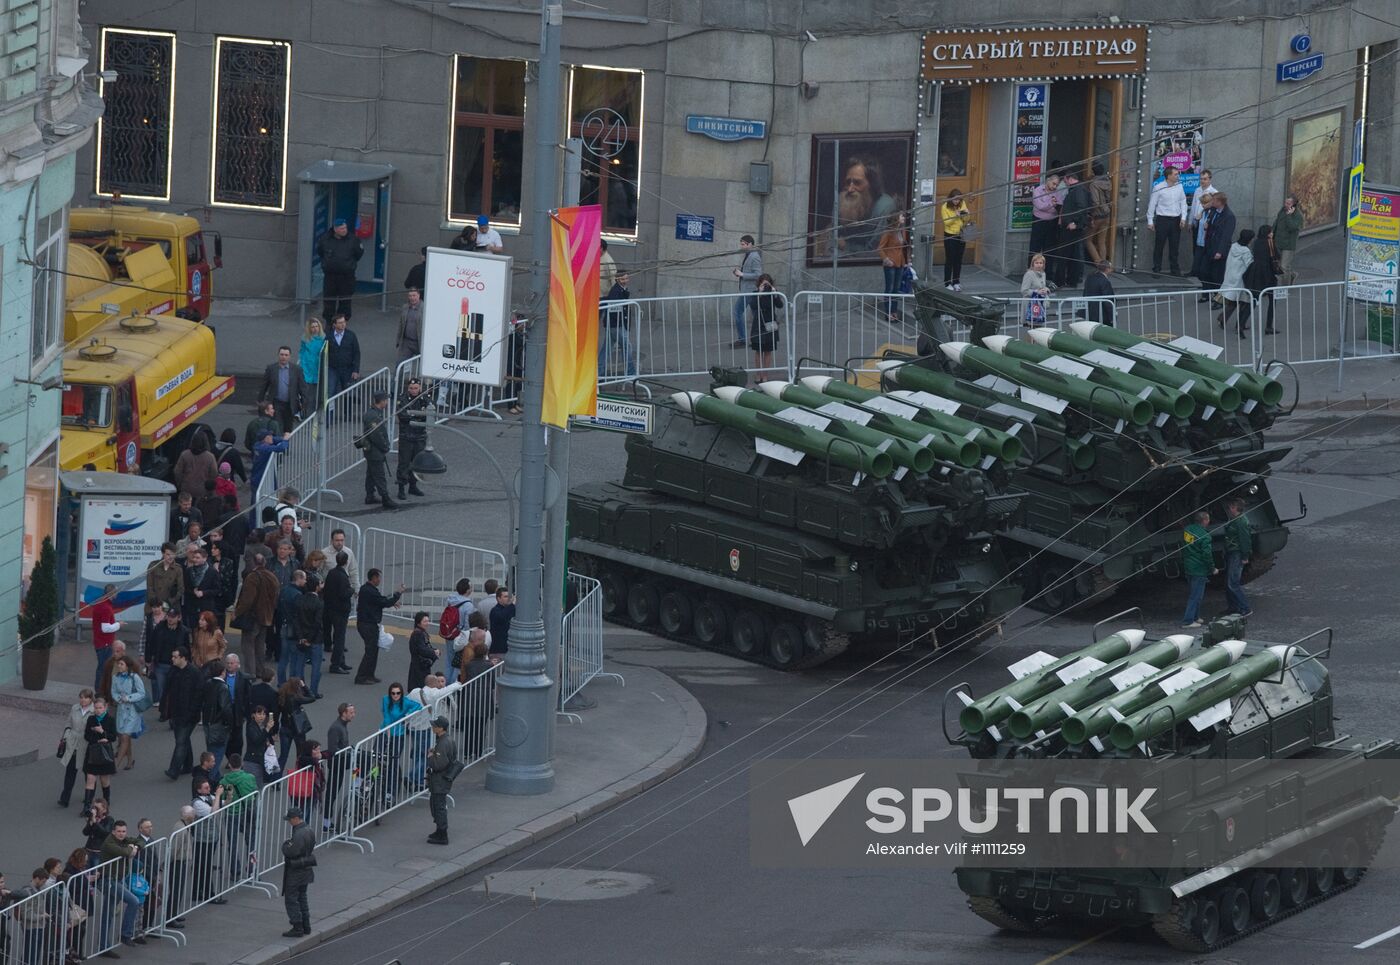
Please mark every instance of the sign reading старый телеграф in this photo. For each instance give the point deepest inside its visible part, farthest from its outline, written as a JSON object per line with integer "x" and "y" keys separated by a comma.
{"x": 466, "y": 316}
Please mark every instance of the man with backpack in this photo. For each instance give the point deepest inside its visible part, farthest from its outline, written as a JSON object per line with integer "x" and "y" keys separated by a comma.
{"x": 452, "y": 625}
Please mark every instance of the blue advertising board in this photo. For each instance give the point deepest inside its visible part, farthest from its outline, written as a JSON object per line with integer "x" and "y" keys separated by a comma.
{"x": 726, "y": 128}
{"x": 695, "y": 227}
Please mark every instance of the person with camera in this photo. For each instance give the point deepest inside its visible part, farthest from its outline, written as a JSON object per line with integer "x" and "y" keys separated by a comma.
{"x": 297, "y": 874}
{"x": 413, "y": 437}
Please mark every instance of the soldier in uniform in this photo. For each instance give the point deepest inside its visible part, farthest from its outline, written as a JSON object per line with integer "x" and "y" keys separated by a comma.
{"x": 375, "y": 443}
{"x": 413, "y": 436}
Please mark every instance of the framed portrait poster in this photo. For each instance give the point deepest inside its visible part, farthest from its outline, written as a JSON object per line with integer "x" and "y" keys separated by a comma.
{"x": 1314, "y": 172}
{"x": 858, "y": 182}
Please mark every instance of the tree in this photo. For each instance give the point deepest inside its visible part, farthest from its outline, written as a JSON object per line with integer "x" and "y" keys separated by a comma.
{"x": 36, "y": 622}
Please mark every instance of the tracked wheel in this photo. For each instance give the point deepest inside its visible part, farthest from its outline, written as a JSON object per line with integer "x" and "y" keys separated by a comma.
{"x": 1008, "y": 919}
{"x": 676, "y": 613}
{"x": 1293, "y": 887}
{"x": 614, "y": 586}
{"x": 643, "y": 604}
{"x": 784, "y": 645}
{"x": 1265, "y": 896}
{"x": 1234, "y": 910}
{"x": 748, "y": 634}
{"x": 711, "y": 624}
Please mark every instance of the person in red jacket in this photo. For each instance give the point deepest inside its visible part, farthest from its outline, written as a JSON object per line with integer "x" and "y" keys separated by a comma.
{"x": 104, "y": 628}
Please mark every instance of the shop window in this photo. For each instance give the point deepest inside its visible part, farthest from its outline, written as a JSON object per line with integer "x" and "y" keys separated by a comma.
{"x": 605, "y": 109}
{"x": 40, "y": 505}
{"x": 251, "y": 89}
{"x": 858, "y": 183}
{"x": 133, "y": 136}
{"x": 488, "y": 140}
{"x": 954, "y": 126}
{"x": 50, "y": 249}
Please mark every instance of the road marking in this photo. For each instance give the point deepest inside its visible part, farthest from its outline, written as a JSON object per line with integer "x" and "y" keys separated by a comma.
{"x": 1074, "y": 948}
{"x": 1379, "y": 938}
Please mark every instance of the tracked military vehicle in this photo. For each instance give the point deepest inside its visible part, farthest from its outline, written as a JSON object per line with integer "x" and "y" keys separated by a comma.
{"x": 784, "y": 524}
{"x": 1124, "y": 438}
{"x": 1288, "y": 809}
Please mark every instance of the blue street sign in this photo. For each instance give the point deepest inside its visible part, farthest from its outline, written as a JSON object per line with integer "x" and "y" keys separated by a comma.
{"x": 1298, "y": 69}
{"x": 726, "y": 128}
{"x": 695, "y": 227}
{"x": 1354, "y": 194}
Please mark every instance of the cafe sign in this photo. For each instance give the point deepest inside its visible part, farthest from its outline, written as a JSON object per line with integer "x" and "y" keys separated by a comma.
{"x": 1034, "y": 53}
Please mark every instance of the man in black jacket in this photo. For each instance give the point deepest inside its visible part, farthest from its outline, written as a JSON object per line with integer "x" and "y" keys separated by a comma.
{"x": 1220, "y": 234}
{"x": 1096, "y": 287}
{"x": 1075, "y": 216}
{"x": 338, "y": 597}
{"x": 203, "y": 586}
{"x": 413, "y": 436}
{"x": 340, "y": 251}
{"x": 182, "y": 706}
{"x": 342, "y": 356}
{"x": 369, "y": 614}
{"x": 166, "y": 637}
{"x": 240, "y": 687}
{"x": 310, "y": 644}
{"x": 284, "y": 386}
{"x": 216, "y": 713}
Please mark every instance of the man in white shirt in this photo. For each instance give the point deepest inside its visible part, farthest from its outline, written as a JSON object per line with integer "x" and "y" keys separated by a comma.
{"x": 338, "y": 546}
{"x": 420, "y": 723}
{"x": 1166, "y": 216}
{"x": 488, "y": 239}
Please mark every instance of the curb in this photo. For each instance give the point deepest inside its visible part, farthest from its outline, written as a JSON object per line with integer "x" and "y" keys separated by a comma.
{"x": 686, "y": 749}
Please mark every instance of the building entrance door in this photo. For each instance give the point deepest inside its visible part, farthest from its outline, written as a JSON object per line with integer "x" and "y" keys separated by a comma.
{"x": 1083, "y": 131}
{"x": 961, "y": 127}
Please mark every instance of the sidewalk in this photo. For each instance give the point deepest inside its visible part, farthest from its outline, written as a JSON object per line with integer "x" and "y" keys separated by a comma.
{"x": 248, "y": 332}
{"x": 637, "y": 736}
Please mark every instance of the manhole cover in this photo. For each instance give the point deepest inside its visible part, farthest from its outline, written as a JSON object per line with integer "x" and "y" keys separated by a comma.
{"x": 564, "y": 884}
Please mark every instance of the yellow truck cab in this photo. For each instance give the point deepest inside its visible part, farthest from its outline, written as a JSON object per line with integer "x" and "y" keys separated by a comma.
{"x": 124, "y": 259}
{"x": 133, "y": 388}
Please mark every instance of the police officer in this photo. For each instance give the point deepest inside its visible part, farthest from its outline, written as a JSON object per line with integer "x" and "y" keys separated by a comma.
{"x": 413, "y": 436}
{"x": 375, "y": 443}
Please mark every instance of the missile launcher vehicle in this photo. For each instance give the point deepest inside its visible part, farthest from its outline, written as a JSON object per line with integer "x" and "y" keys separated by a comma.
{"x": 785, "y": 523}
{"x": 1123, "y": 439}
{"x": 1270, "y": 810}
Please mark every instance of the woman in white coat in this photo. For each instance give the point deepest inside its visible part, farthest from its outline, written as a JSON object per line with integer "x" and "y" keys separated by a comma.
{"x": 1232, "y": 287}
{"x": 72, "y": 740}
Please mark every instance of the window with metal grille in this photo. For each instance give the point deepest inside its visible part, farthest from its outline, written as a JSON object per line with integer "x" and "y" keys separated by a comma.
{"x": 488, "y": 139}
{"x": 133, "y": 136}
{"x": 250, "y": 122}
{"x": 50, "y": 249}
{"x": 605, "y": 110}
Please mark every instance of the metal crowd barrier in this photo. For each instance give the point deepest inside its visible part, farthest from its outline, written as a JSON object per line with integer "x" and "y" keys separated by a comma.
{"x": 211, "y": 857}
{"x": 108, "y": 909}
{"x": 581, "y": 649}
{"x": 450, "y": 398}
{"x": 834, "y": 327}
{"x": 1320, "y": 323}
{"x": 687, "y": 336}
{"x": 322, "y": 798}
{"x": 384, "y": 766}
{"x": 38, "y": 928}
{"x": 430, "y": 568}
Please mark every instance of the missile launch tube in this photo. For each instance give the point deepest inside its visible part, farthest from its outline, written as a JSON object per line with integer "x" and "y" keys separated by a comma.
{"x": 1173, "y": 402}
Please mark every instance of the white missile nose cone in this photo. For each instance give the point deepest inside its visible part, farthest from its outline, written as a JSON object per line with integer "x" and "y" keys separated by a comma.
{"x": 729, "y": 393}
{"x": 954, "y": 350}
{"x": 1182, "y": 642}
{"x": 997, "y": 343}
{"x": 1233, "y": 647}
{"x": 1041, "y": 336}
{"x": 1083, "y": 329}
{"x": 1134, "y": 638}
{"x": 1281, "y": 651}
{"x": 773, "y": 388}
{"x": 686, "y": 400}
{"x": 885, "y": 365}
{"x": 816, "y": 382}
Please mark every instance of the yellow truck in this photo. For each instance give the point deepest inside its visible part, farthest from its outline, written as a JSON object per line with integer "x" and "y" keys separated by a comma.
{"x": 133, "y": 389}
{"x": 124, "y": 260}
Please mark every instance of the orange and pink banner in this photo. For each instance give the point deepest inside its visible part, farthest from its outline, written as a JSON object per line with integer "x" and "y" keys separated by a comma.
{"x": 571, "y": 359}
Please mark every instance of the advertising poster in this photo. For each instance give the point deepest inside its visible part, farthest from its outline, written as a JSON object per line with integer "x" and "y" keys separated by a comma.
{"x": 1313, "y": 171}
{"x": 859, "y": 182}
{"x": 571, "y": 348}
{"x": 121, "y": 538}
{"x": 1028, "y": 162}
{"x": 1178, "y": 142}
{"x": 466, "y": 315}
{"x": 1373, "y": 247}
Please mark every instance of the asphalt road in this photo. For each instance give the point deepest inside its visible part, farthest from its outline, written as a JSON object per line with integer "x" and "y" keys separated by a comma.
{"x": 667, "y": 876}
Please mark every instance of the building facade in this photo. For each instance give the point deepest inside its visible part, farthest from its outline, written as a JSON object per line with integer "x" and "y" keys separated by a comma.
{"x": 804, "y": 124}
{"x": 47, "y": 111}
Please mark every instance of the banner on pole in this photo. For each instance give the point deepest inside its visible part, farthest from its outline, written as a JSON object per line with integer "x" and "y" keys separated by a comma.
{"x": 571, "y": 354}
{"x": 466, "y": 312}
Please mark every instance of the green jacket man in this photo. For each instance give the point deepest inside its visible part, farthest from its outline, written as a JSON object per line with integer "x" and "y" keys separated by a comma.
{"x": 1239, "y": 538}
{"x": 1197, "y": 552}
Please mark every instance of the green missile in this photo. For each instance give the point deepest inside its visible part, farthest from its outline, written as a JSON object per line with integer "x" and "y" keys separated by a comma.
{"x": 945, "y": 446}
{"x": 1082, "y": 394}
{"x": 1094, "y": 685}
{"x": 1036, "y": 676}
{"x": 919, "y": 379}
{"x": 1251, "y": 385}
{"x": 993, "y": 442}
{"x": 902, "y": 452}
{"x": 1204, "y": 702}
{"x": 1170, "y": 402}
{"x": 1207, "y": 392}
{"x": 787, "y": 440}
{"x": 1090, "y": 722}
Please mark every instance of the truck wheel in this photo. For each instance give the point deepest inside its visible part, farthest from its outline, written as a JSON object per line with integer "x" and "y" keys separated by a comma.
{"x": 1057, "y": 589}
{"x": 1234, "y": 910}
{"x": 675, "y": 614}
{"x": 614, "y": 593}
{"x": 1265, "y": 896}
{"x": 1349, "y": 861}
{"x": 642, "y": 604}
{"x": 747, "y": 635}
{"x": 711, "y": 623}
{"x": 784, "y": 644}
{"x": 1294, "y": 884}
{"x": 1207, "y": 927}
{"x": 1321, "y": 880}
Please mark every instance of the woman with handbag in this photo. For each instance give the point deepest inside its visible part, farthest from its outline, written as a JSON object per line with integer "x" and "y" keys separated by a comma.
{"x": 99, "y": 755}
{"x": 130, "y": 695}
{"x": 763, "y": 338}
{"x": 1262, "y": 273}
{"x": 68, "y": 743}
{"x": 394, "y": 707}
{"x": 207, "y": 642}
{"x": 1035, "y": 290}
{"x": 292, "y": 720}
{"x": 421, "y": 652}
